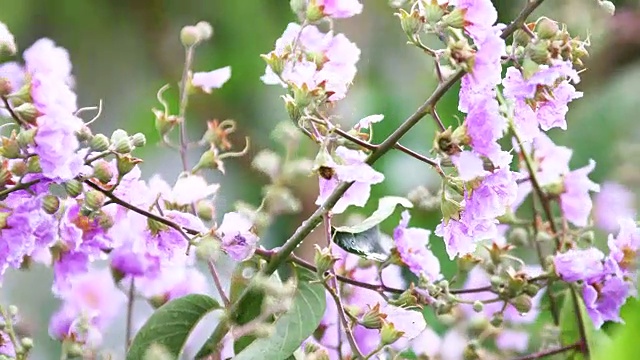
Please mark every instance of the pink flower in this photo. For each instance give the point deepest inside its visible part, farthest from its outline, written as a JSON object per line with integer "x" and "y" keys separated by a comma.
{"x": 212, "y": 79}
{"x": 338, "y": 9}
{"x": 469, "y": 165}
{"x": 575, "y": 201}
{"x": 350, "y": 167}
{"x": 578, "y": 264}
{"x": 412, "y": 246}
{"x": 624, "y": 247}
{"x": 612, "y": 203}
{"x": 479, "y": 17}
{"x": 237, "y": 239}
{"x": 513, "y": 340}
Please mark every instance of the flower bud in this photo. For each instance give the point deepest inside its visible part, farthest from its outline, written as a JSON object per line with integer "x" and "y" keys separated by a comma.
{"x": 94, "y": 199}
{"x": 205, "y": 210}
{"x": 102, "y": 171}
{"x": 19, "y": 168}
{"x": 324, "y": 260}
{"x": 467, "y": 262}
{"x": 122, "y": 146}
{"x": 373, "y": 318}
{"x": 118, "y": 135}
{"x": 73, "y": 188}
{"x": 27, "y": 343}
{"x": 205, "y": 30}
{"x": 5, "y": 176}
{"x": 410, "y": 23}
{"x": 84, "y": 134}
{"x": 275, "y": 62}
{"x": 33, "y": 165}
{"x": 521, "y": 37}
{"x": 138, "y": 140}
{"x": 105, "y": 220}
{"x": 450, "y": 209}
{"x": 208, "y": 160}
{"x": 13, "y": 311}
{"x": 531, "y": 289}
{"x": 7, "y": 41}
{"x": 433, "y": 13}
{"x": 497, "y": 319}
{"x": 543, "y": 237}
{"x": 406, "y": 299}
{"x": 522, "y": 303}
{"x": 157, "y": 301}
{"x": 478, "y": 306}
{"x": 10, "y": 148}
{"x": 519, "y": 236}
{"x": 189, "y": 36}
{"x": 314, "y": 12}
{"x": 443, "y": 307}
{"x": 546, "y": 28}
{"x": 267, "y": 162}
{"x": 26, "y": 137}
{"x": 99, "y": 143}
{"x": 27, "y": 112}
{"x": 50, "y": 204}
{"x": 588, "y": 236}
{"x": 471, "y": 351}
{"x": 5, "y": 87}
{"x": 155, "y": 226}
{"x": 3, "y": 219}
{"x": 539, "y": 52}
{"x": 455, "y": 18}
{"x": 163, "y": 122}
{"x": 292, "y": 109}
{"x": 389, "y": 334}
{"x": 298, "y": 6}
{"x": 608, "y": 6}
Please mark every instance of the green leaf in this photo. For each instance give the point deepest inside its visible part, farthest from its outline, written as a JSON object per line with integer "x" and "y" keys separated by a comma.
{"x": 369, "y": 244}
{"x": 570, "y": 330}
{"x": 171, "y": 324}
{"x": 249, "y": 308}
{"x": 625, "y": 339}
{"x": 386, "y": 206}
{"x": 295, "y": 325}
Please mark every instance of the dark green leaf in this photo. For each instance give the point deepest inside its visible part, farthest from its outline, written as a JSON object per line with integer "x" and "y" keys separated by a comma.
{"x": 171, "y": 324}
{"x": 369, "y": 244}
{"x": 295, "y": 325}
{"x": 386, "y": 206}
{"x": 570, "y": 330}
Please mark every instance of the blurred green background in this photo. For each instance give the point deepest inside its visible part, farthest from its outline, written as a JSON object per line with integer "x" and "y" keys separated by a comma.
{"x": 124, "y": 51}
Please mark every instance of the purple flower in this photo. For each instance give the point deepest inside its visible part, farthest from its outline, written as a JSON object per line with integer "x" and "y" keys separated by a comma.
{"x": 6, "y": 345}
{"x": 237, "y": 239}
{"x": 338, "y": 9}
{"x": 44, "y": 57}
{"x": 624, "y": 247}
{"x": 349, "y": 167}
{"x": 479, "y": 17}
{"x": 212, "y": 79}
{"x": 612, "y": 203}
{"x": 412, "y": 246}
{"x": 470, "y": 166}
{"x": 579, "y": 264}
{"x": 604, "y": 300}
{"x": 461, "y": 236}
{"x": 134, "y": 254}
{"x": 575, "y": 201}
{"x": 56, "y": 145}
{"x": 484, "y": 126}
{"x": 92, "y": 300}
{"x": 317, "y": 60}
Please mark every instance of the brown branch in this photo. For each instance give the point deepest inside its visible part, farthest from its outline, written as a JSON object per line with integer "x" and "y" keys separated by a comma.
{"x": 545, "y": 353}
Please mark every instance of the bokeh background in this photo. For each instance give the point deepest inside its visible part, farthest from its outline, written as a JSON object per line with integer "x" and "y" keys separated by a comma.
{"x": 124, "y": 51}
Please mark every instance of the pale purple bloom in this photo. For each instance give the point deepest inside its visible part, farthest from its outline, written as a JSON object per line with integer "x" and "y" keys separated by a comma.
{"x": 56, "y": 144}
{"x": 350, "y": 166}
{"x": 190, "y": 189}
{"x": 484, "y": 126}
{"x": 412, "y": 246}
{"x": 46, "y": 58}
{"x": 612, "y": 203}
{"x": 493, "y": 196}
{"x": 479, "y": 17}
{"x": 14, "y": 73}
{"x": 470, "y": 166}
{"x": 207, "y": 81}
{"x": 6, "y": 345}
{"x": 366, "y": 122}
{"x": 318, "y": 60}
{"x": 237, "y": 239}
{"x": 175, "y": 279}
{"x": 603, "y": 301}
{"x": 410, "y": 322}
{"x": 575, "y": 201}
{"x": 93, "y": 299}
{"x": 579, "y": 264}
{"x": 513, "y": 340}
{"x": 624, "y": 247}
{"x": 339, "y": 9}
{"x": 427, "y": 343}
{"x": 552, "y": 160}
{"x": 460, "y": 236}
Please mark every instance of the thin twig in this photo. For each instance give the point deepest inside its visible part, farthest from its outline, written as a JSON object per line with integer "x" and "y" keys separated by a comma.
{"x": 545, "y": 353}
{"x": 184, "y": 99}
{"x": 19, "y": 186}
{"x": 357, "y": 354}
{"x": 13, "y": 113}
{"x": 218, "y": 284}
{"x": 129, "y": 326}
{"x": 436, "y": 117}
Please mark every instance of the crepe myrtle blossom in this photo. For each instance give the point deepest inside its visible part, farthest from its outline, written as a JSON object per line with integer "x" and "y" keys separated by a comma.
{"x": 478, "y": 17}
{"x": 207, "y": 81}
{"x": 309, "y": 59}
{"x": 188, "y": 189}
{"x": 337, "y": 9}
{"x": 238, "y": 241}
{"x": 482, "y": 127}
{"x": 542, "y": 99}
{"x": 346, "y": 166}
{"x": 575, "y": 200}
{"x": 89, "y": 306}
{"x": 605, "y": 298}
{"x": 579, "y": 264}
{"x": 411, "y": 244}
{"x": 612, "y": 203}
{"x": 624, "y": 246}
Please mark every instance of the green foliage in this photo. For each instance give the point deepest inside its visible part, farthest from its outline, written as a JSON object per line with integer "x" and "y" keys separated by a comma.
{"x": 295, "y": 325}
{"x": 623, "y": 344}
{"x": 170, "y": 326}
{"x": 570, "y": 329}
{"x": 364, "y": 239}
